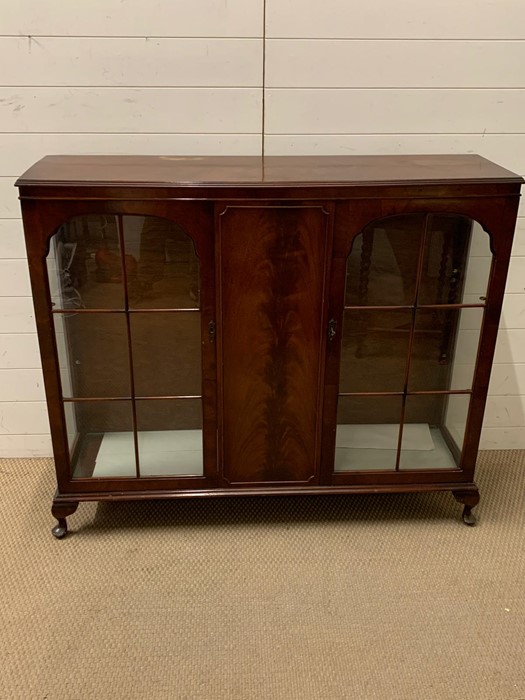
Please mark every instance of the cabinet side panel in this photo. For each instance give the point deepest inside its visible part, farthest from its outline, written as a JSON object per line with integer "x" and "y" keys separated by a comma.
{"x": 272, "y": 288}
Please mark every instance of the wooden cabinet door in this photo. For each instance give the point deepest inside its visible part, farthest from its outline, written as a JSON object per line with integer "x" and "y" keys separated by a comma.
{"x": 272, "y": 262}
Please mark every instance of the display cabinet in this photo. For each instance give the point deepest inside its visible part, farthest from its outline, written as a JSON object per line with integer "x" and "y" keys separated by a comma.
{"x": 241, "y": 326}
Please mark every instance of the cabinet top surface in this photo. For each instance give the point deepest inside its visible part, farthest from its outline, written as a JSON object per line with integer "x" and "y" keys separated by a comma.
{"x": 256, "y": 171}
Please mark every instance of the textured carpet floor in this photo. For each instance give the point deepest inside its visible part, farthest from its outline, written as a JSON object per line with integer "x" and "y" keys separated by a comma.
{"x": 363, "y": 597}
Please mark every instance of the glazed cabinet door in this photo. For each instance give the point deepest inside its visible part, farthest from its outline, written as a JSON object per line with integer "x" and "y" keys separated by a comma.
{"x": 271, "y": 280}
{"x": 408, "y": 302}
{"x": 132, "y": 320}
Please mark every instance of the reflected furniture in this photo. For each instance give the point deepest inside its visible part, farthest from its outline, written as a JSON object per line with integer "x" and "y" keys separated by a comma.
{"x": 287, "y": 325}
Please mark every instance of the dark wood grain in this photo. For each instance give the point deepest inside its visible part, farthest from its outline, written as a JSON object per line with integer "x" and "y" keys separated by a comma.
{"x": 271, "y": 294}
{"x": 278, "y": 170}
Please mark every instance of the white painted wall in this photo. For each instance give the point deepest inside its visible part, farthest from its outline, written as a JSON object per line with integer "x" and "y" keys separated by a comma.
{"x": 167, "y": 76}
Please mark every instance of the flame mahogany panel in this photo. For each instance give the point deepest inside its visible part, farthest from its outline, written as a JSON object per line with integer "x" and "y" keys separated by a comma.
{"x": 271, "y": 290}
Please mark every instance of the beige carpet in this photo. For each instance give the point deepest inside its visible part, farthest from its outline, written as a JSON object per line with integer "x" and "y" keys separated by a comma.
{"x": 361, "y": 597}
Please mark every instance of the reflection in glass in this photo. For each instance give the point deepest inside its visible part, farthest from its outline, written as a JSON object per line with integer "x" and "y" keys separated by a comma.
{"x": 444, "y": 259}
{"x": 93, "y": 355}
{"x": 166, "y": 353}
{"x": 367, "y": 433}
{"x": 444, "y": 349}
{"x": 479, "y": 266}
{"x": 84, "y": 264}
{"x": 433, "y": 431}
{"x": 383, "y": 263}
{"x": 166, "y": 268}
{"x": 374, "y": 350}
{"x": 170, "y": 437}
{"x": 101, "y": 438}
{"x": 456, "y": 262}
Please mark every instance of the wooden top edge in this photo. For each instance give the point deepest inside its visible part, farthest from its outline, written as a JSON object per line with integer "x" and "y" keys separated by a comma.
{"x": 255, "y": 171}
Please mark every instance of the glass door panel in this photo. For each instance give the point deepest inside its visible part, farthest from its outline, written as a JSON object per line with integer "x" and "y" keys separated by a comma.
{"x": 367, "y": 433}
{"x": 374, "y": 350}
{"x": 409, "y": 361}
{"x": 433, "y": 431}
{"x": 444, "y": 259}
{"x": 444, "y": 348}
{"x": 129, "y": 287}
{"x": 167, "y": 353}
{"x": 165, "y": 265}
{"x": 93, "y": 354}
{"x": 170, "y": 438}
{"x": 84, "y": 264}
{"x": 101, "y": 439}
{"x": 456, "y": 262}
{"x": 382, "y": 266}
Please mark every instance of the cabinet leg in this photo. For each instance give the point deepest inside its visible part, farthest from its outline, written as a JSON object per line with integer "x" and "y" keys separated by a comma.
{"x": 470, "y": 499}
{"x": 60, "y": 511}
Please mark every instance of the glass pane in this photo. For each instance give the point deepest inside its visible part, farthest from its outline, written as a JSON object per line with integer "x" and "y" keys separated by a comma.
{"x": 100, "y": 437}
{"x": 457, "y": 261}
{"x": 444, "y": 349}
{"x": 170, "y": 437}
{"x": 367, "y": 433}
{"x": 165, "y": 266}
{"x": 479, "y": 266}
{"x": 433, "y": 431}
{"x": 374, "y": 350}
{"x": 455, "y": 418}
{"x": 93, "y": 355}
{"x": 382, "y": 266}
{"x": 167, "y": 353}
{"x": 466, "y": 348}
{"x": 84, "y": 264}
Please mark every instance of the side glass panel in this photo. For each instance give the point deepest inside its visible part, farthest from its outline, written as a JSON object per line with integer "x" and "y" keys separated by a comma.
{"x": 426, "y": 277}
{"x": 478, "y": 267}
{"x": 128, "y": 288}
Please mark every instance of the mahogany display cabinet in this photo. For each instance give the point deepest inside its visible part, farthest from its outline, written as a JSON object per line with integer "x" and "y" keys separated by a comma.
{"x": 231, "y": 326}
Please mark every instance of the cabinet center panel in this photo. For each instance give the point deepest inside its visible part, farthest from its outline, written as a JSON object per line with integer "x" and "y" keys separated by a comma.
{"x": 272, "y": 279}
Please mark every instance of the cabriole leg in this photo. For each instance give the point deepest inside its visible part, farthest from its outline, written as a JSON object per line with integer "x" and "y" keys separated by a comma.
{"x": 61, "y": 510}
{"x": 470, "y": 499}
